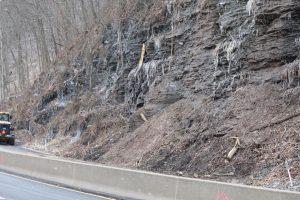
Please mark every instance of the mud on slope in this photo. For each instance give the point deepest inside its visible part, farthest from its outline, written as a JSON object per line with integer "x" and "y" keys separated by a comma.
{"x": 213, "y": 70}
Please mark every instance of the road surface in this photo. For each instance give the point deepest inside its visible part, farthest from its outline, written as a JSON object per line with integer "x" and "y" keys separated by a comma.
{"x": 17, "y": 188}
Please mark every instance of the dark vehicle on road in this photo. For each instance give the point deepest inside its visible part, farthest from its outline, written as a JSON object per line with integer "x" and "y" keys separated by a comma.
{"x": 6, "y": 129}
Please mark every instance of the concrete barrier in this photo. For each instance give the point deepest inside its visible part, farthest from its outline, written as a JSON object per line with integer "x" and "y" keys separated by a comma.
{"x": 131, "y": 184}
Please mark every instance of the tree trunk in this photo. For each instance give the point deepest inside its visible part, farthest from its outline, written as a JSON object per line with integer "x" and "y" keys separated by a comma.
{"x": 93, "y": 10}
{"x": 84, "y": 14}
{"x": 3, "y": 61}
{"x": 43, "y": 44}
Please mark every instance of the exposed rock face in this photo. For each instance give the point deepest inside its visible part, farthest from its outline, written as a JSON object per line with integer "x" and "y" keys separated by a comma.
{"x": 212, "y": 70}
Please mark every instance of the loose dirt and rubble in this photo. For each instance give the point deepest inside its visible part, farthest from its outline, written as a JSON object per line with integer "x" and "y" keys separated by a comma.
{"x": 216, "y": 94}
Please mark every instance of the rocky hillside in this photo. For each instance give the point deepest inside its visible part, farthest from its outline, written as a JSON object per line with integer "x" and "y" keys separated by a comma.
{"x": 198, "y": 88}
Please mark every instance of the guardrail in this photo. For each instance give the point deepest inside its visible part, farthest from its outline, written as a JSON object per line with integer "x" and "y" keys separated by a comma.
{"x": 131, "y": 184}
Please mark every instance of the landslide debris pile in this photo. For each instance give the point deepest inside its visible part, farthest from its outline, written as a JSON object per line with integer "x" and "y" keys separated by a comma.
{"x": 171, "y": 85}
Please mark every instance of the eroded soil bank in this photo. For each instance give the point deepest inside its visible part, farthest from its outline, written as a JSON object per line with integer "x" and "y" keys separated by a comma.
{"x": 212, "y": 71}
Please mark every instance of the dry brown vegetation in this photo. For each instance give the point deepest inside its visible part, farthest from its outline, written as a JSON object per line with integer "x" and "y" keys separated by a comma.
{"x": 81, "y": 110}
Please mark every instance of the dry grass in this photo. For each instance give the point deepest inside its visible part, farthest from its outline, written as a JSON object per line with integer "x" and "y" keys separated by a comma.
{"x": 204, "y": 4}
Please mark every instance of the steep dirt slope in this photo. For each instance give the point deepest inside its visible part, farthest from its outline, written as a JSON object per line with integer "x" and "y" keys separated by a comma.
{"x": 212, "y": 71}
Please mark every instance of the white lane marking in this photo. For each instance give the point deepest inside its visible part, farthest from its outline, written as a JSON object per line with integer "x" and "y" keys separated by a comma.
{"x": 55, "y": 186}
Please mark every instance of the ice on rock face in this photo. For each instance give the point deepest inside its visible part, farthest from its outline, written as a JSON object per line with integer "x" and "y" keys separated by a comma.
{"x": 150, "y": 69}
{"x": 61, "y": 103}
{"x": 140, "y": 80}
{"x": 170, "y": 6}
{"x": 76, "y": 137}
{"x": 157, "y": 43}
{"x": 252, "y": 6}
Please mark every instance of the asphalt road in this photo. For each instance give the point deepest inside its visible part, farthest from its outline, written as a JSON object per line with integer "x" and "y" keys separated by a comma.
{"x": 17, "y": 188}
